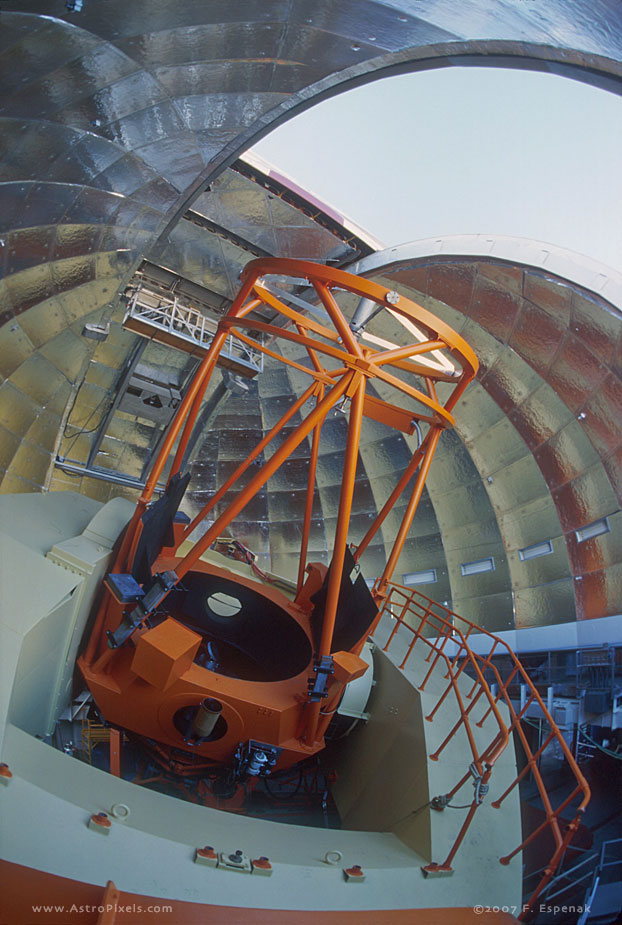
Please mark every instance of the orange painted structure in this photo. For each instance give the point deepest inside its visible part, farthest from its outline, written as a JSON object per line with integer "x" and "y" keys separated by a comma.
{"x": 446, "y": 634}
{"x": 25, "y": 890}
{"x": 148, "y": 661}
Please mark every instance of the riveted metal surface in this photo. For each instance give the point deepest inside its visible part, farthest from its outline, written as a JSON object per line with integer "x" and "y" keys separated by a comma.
{"x": 516, "y": 484}
{"x": 478, "y": 412}
{"x": 565, "y": 455}
{"x": 599, "y": 552}
{"x": 12, "y": 484}
{"x": 575, "y": 373}
{"x": 505, "y": 278}
{"x": 110, "y": 131}
{"x": 494, "y": 612}
{"x": 15, "y": 347}
{"x": 585, "y": 499}
{"x": 479, "y": 588}
{"x": 453, "y": 285}
{"x": 9, "y": 444}
{"x": 531, "y": 573}
{"x": 540, "y": 416}
{"x": 455, "y": 507}
{"x": 17, "y": 410}
{"x": 31, "y": 287}
{"x": 425, "y": 523}
{"x": 44, "y": 321}
{"x": 498, "y": 446}
{"x": 551, "y": 295}
{"x": 613, "y": 468}
{"x": 463, "y": 540}
{"x": 530, "y": 523}
{"x": 599, "y": 593}
{"x": 28, "y": 247}
{"x": 546, "y": 604}
{"x": 75, "y": 240}
{"x": 510, "y": 380}
{"x": 596, "y": 326}
{"x": 31, "y": 462}
{"x": 38, "y": 378}
{"x": 67, "y": 352}
{"x": 537, "y": 336}
{"x": 494, "y": 309}
{"x": 486, "y": 347}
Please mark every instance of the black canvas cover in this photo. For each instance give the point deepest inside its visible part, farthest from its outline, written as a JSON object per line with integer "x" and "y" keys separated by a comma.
{"x": 356, "y": 609}
{"x": 158, "y": 527}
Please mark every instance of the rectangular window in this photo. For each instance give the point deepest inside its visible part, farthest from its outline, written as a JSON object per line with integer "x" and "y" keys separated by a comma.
{"x": 535, "y": 551}
{"x": 592, "y": 530}
{"x": 426, "y": 577}
{"x": 478, "y": 566}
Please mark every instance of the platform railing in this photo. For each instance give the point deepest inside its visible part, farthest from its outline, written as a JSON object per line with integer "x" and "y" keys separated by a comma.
{"x": 187, "y": 323}
{"x": 446, "y": 634}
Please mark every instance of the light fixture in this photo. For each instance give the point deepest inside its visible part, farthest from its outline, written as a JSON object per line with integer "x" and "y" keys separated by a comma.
{"x": 425, "y": 577}
{"x": 535, "y": 550}
{"x": 96, "y": 331}
{"x": 596, "y": 528}
{"x": 478, "y": 566}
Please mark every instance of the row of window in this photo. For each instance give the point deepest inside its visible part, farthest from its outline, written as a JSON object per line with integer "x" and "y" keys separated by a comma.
{"x": 429, "y": 576}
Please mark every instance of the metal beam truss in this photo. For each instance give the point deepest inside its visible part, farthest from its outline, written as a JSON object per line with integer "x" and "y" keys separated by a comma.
{"x": 339, "y": 368}
{"x": 445, "y": 635}
{"x": 171, "y": 321}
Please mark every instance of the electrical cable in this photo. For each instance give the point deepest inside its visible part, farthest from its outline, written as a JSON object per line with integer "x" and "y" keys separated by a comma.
{"x": 283, "y": 797}
{"x": 408, "y": 815}
{"x": 601, "y": 748}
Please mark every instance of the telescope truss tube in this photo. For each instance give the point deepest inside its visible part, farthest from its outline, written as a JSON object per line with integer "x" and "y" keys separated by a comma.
{"x": 342, "y": 359}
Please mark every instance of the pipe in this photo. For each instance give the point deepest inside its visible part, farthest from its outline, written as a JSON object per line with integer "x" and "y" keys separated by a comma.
{"x": 339, "y": 547}
{"x": 433, "y": 435}
{"x": 269, "y": 468}
{"x": 206, "y": 717}
{"x": 315, "y": 452}
{"x": 365, "y": 310}
{"x": 224, "y": 488}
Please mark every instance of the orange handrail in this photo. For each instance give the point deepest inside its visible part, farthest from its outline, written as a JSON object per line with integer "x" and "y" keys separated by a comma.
{"x": 449, "y": 626}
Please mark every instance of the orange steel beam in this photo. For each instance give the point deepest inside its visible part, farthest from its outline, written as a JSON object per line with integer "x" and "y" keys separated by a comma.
{"x": 308, "y": 324}
{"x": 345, "y": 334}
{"x": 339, "y": 547}
{"x": 343, "y": 517}
{"x": 197, "y": 389}
{"x": 389, "y": 504}
{"x": 315, "y": 452}
{"x": 262, "y": 476}
{"x": 357, "y": 363}
{"x": 368, "y": 289}
{"x": 320, "y": 374}
{"x": 198, "y": 386}
{"x": 295, "y": 316}
{"x": 352, "y": 361}
{"x": 409, "y": 514}
{"x": 241, "y": 469}
{"x": 195, "y": 404}
{"x": 403, "y": 353}
{"x": 301, "y": 328}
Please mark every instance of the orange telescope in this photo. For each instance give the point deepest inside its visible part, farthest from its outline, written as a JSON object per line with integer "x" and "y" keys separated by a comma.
{"x": 214, "y": 665}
